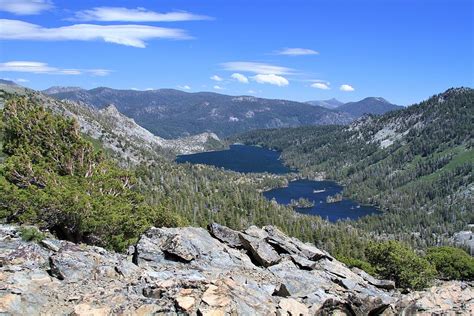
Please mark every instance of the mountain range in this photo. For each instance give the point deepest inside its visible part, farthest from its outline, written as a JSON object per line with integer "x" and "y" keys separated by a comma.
{"x": 370, "y": 105}
{"x": 172, "y": 113}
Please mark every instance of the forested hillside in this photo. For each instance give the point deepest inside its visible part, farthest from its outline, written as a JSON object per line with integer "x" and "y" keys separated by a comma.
{"x": 416, "y": 164}
{"x": 172, "y": 113}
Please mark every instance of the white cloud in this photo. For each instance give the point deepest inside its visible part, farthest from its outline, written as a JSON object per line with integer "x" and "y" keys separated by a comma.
{"x": 216, "y": 78}
{"x": 240, "y": 78}
{"x": 98, "y": 72}
{"x": 297, "y": 52}
{"x": 114, "y": 14}
{"x": 252, "y": 91}
{"x": 216, "y": 87}
{"x": 346, "y": 87}
{"x": 257, "y": 68}
{"x": 271, "y": 79}
{"x": 44, "y": 68}
{"x": 129, "y": 35}
{"x": 21, "y": 80}
{"x": 185, "y": 87}
{"x": 25, "y": 7}
{"x": 321, "y": 85}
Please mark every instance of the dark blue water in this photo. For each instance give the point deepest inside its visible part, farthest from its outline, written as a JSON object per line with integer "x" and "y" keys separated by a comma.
{"x": 246, "y": 159}
{"x": 346, "y": 209}
{"x": 240, "y": 158}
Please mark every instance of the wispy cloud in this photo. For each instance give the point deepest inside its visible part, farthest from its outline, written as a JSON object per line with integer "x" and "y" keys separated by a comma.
{"x": 346, "y": 87}
{"x": 240, "y": 78}
{"x": 216, "y": 87}
{"x": 297, "y": 52}
{"x": 120, "y": 14}
{"x": 271, "y": 79}
{"x": 25, "y": 7}
{"x": 257, "y": 68}
{"x": 321, "y": 85}
{"x": 129, "y": 35}
{"x": 43, "y": 68}
{"x": 185, "y": 87}
{"x": 216, "y": 78}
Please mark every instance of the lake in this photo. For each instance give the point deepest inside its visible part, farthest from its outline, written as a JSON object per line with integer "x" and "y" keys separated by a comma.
{"x": 317, "y": 191}
{"x": 242, "y": 158}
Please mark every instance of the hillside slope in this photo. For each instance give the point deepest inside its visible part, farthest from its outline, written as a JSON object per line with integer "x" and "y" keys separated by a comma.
{"x": 416, "y": 163}
{"x": 172, "y": 113}
{"x": 117, "y": 133}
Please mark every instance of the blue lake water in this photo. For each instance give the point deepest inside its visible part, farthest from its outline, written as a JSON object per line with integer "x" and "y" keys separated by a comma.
{"x": 246, "y": 159}
{"x": 317, "y": 191}
{"x": 240, "y": 158}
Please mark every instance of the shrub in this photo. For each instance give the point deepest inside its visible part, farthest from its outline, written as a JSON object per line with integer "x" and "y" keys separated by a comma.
{"x": 451, "y": 263}
{"x": 31, "y": 234}
{"x": 361, "y": 264}
{"x": 395, "y": 261}
{"x": 54, "y": 178}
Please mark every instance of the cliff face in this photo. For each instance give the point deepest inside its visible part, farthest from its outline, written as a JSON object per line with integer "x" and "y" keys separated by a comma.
{"x": 194, "y": 271}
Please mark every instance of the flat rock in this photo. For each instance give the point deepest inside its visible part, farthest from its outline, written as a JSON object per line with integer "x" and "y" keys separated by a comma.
{"x": 382, "y": 284}
{"x": 180, "y": 247}
{"x": 226, "y": 235}
{"x": 290, "y": 306}
{"x": 260, "y": 250}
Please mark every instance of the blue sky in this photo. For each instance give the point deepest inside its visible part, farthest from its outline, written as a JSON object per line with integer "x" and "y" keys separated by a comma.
{"x": 405, "y": 50}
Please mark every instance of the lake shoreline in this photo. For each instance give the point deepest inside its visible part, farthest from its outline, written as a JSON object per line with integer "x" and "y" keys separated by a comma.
{"x": 317, "y": 190}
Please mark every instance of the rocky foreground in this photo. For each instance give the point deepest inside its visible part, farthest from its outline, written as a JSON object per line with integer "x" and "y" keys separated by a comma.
{"x": 198, "y": 272}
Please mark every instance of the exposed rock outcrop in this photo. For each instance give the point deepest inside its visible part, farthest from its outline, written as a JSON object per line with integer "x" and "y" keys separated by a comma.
{"x": 191, "y": 271}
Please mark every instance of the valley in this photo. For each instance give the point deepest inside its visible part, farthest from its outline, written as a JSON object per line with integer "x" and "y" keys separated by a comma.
{"x": 125, "y": 196}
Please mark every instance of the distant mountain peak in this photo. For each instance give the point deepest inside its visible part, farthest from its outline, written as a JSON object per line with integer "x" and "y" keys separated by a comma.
{"x": 60, "y": 89}
{"x": 378, "y": 99}
{"x": 369, "y": 105}
{"x": 332, "y": 103}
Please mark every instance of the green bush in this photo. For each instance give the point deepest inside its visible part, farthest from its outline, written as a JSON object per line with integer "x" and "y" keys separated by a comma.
{"x": 55, "y": 179}
{"x": 395, "y": 261}
{"x": 451, "y": 263}
{"x": 31, "y": 234}
{"x": 361, "y": 264}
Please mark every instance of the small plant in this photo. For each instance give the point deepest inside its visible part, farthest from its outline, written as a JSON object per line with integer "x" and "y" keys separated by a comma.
{"x": 31, "y": 234}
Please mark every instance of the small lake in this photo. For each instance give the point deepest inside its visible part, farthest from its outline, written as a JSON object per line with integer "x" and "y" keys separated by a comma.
{"x": 316, "y": 192}
{"x": 242, "y": 158}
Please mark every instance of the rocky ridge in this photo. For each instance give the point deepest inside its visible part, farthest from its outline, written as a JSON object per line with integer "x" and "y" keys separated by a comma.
{"x": 130, "y": 130}
{"x": 195, "y": 271}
